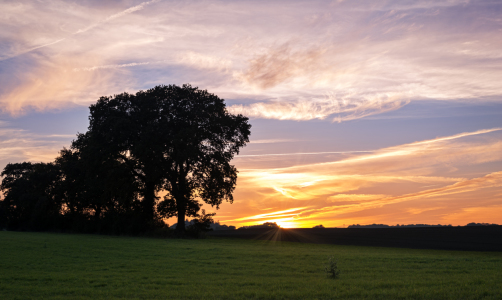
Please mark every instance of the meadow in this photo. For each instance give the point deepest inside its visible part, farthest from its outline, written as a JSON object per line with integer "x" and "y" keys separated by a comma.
{"x": 62, "y": 266}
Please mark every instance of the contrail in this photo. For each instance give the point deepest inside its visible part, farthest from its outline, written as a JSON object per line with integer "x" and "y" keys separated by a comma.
{"x": 110, "y": 66}
{"x": 34, "y": 48}
{"x": 112, "y": 17}
{"x": 304, "y": 153}
{"x": 456, "y": 136}
{"x": 409, "y": 148}
{"x": 117, "y": 15}
{"x": 120, "y": 66}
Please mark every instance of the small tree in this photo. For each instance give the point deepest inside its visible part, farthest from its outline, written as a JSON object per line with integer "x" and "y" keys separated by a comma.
{"x": 331, "y": 268}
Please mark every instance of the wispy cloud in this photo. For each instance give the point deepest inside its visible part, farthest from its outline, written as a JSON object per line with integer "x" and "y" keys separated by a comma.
{"x": 331, "y": 61}
{"x": 299, "y": 153}
{"x": 114, "y": 66}
{"x": 53, "y": 85}
{"x": 343, "y": 198}
{"x": 439, "y": 152}
{"x": 345, "y": 204}
{"x": 351, "y": 204}
{"x": 19, "y": 145}
{"x": 117, "y": 15}
{"x": 280, "y": 64}
{"x": 272, "y": 141}
{"x": 276, "y": 214}
{"x": 94, "y": 25}
{"x": 372, "y": 181}
{"x": 340, "y": 109}
{"x": 464, "y": 186}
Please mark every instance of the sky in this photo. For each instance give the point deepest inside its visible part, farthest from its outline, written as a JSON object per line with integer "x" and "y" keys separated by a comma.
{"x": 362, "y": 112}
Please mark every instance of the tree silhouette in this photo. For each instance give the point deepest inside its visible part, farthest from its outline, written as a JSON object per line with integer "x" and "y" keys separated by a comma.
{"x": 171, "y": 138}
{"x": 29, "y": 201}
{"x": 97, "y": 190}
{"x": 179, "y": 140}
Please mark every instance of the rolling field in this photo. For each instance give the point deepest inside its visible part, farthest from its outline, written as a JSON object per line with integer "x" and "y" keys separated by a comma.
{"x": 62, "y": 266}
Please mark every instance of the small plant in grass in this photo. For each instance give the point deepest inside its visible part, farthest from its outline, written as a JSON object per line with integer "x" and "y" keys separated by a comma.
{"x": 331, "y": 268}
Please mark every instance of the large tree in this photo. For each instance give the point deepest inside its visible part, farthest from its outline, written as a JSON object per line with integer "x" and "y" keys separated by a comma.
{"x": 176, "y": 139}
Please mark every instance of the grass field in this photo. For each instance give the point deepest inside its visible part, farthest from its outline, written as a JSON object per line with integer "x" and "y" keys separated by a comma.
{"x": 44, "y": 265}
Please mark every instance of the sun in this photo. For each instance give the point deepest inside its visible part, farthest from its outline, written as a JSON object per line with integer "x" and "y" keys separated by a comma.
{"x": 285, "y": 223}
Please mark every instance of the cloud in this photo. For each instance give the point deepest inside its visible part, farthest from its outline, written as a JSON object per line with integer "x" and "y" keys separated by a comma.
{"x": 341, "y": 109}
{"x": 204, "y": 61}
{"x": 319, "y": 185}
{"x": 416, "y": 211}
{"x": 279, "y": 65}
{"x": 19, "y": 145}
{"x": 276, "y": 214}
{"x": 272, "y": 141}
{"x": 372, "y": 182}
{"x": 294, "y": 153}
{"x": 117, "y": 15}
{"x": 52, "y": 84}
{"x": 344, "y": 204}
{"x": 114, "y": 66}
{"x": 468, "y": 148}
{"x": 328, "y": 61}
{"x": 436, "y": 153}
{"x": 108, "y": 19}
{"x": 341, "y": 198}
{"x": 469, "y": 185}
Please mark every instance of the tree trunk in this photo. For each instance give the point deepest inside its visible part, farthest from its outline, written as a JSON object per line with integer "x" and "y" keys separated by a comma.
{"x": 180, "y": 226}
{"x": 149, "y": 202}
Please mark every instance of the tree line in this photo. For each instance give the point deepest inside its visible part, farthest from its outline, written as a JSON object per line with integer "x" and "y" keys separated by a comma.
{"x": 169, "y": 140}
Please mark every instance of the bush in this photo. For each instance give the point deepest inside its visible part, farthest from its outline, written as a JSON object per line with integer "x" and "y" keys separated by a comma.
{"x": 201, "y": 225}
{"x": 331, "y": 268}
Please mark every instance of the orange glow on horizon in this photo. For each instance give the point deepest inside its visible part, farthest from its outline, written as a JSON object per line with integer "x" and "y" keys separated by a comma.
{"x": 405, "y": 184}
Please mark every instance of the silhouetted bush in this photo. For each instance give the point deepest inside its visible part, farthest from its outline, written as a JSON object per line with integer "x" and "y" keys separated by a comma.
{"x": 266, "y": 225}
{"x": 200, "y": 225}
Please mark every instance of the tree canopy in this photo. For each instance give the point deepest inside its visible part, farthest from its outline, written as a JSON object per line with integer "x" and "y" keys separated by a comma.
{"x": 169, "y": 140}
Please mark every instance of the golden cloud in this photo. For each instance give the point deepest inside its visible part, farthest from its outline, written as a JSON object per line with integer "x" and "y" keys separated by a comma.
{"x": 329, "y": 189}
{"x": 55, "y": 84}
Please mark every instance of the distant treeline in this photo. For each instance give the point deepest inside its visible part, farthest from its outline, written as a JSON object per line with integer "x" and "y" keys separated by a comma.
{"x": 414, "y": 225}
{"x": 211, "y": 226}
{"x": 264, "y": 225}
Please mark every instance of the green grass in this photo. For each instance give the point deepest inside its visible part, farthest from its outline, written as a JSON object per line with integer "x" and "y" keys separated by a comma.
{"x": 44, "y": 265}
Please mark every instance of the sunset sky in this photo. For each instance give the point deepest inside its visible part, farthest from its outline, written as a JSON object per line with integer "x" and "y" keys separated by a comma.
{"x": 362, "y": 111}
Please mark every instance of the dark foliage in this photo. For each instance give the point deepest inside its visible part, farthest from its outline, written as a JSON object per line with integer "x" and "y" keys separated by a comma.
{"x": 201, "y": 224}
{"x": 179, "y": 140}
{"x": 266, "y": 225}
{"x": 30, "y": 202}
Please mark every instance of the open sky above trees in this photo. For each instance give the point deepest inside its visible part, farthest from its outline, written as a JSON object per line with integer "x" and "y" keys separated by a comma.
{"x": 362, "y": 111}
